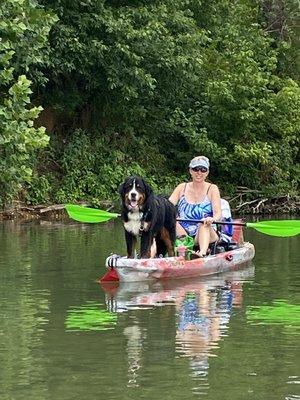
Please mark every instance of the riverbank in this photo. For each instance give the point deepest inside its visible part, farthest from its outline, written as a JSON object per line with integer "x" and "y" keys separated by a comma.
{"x": 260, "y": 206}
{"x": 27, "y": 212}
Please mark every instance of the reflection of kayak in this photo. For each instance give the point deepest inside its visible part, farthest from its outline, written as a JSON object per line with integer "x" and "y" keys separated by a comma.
{"x": 151, "y": 269}
{"x": 121, "y": 297}
{"x": 197, "y": 315}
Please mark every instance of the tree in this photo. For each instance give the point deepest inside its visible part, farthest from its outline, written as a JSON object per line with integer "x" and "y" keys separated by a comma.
{"x": 162, "y": 81}
{"x": 24, "y": 28}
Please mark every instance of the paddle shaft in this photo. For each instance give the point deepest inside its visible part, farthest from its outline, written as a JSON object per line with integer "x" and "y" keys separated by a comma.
{"x": 215, "y": 222}
{"x": 280, "y": 228}
{"x": 200, "y": 221}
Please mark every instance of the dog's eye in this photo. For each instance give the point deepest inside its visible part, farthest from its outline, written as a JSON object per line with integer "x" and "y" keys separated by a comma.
{"x": 138, "y": 186}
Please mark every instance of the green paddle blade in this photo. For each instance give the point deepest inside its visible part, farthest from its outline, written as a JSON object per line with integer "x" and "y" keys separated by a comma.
{"x": 90, "y": 215}
{"x": 281, "y": 228}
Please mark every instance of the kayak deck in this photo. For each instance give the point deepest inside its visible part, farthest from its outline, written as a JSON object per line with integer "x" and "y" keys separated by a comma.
{"x": 132, "y": 270}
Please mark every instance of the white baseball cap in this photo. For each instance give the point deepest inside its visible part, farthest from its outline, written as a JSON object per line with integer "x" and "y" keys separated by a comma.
{"x": 199, "y": 161}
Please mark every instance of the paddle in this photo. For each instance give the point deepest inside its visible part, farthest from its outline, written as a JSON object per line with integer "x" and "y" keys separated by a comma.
{"x": 87, "y": 214}
{"x": 281, "y": 228}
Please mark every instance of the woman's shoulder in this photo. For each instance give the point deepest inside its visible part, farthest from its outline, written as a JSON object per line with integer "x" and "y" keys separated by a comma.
{"x": 180, "y": 187}
{"x": 212, "y": 189}
{"x": 177, "y": 193}
{"x": 212, "y": 186}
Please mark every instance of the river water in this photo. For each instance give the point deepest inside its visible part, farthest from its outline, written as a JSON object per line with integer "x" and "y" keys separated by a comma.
{"x": 65, "y": 337}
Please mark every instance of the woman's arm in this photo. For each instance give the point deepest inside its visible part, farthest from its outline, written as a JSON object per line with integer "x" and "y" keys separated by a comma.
{"x": 216, "y": 203}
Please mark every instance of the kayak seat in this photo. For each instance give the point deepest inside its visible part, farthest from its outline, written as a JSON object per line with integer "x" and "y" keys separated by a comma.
{"x": 219, "y": 247}
{"x": 238, "y": 235}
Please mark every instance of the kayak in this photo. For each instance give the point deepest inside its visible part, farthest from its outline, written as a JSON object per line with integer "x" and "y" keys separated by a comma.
{"x": 125, "y": 269}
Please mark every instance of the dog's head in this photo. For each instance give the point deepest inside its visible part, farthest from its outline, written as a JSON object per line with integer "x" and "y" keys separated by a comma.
{"x": 134, "y": 192}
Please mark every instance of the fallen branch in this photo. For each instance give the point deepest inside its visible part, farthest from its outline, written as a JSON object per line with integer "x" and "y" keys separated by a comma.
{"x": 273, "y": 205}
{"x": 55, "y": 207}
{"x": 256, "y": 209}
{"x": 246, "y": 203}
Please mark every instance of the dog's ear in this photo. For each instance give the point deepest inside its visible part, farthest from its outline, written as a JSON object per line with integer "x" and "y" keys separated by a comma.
{"x": 148, "y": 189}
{"x": 121, "y": 189}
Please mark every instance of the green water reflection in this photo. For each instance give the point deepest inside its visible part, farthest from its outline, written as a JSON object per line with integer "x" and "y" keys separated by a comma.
{"x": 178, "y": 340}
{"x": 89, "y": 317}
{"x": 280, "y": 312}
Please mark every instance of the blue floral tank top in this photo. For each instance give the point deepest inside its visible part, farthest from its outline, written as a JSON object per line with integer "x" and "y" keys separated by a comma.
{"x": 195, "y": 211}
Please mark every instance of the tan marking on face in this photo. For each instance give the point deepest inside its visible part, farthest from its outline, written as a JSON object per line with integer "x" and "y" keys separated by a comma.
{"x": 141, "y": 199}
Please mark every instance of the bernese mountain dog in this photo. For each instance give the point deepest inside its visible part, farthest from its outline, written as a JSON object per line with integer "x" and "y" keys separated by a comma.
{"x": 148, "y": 216}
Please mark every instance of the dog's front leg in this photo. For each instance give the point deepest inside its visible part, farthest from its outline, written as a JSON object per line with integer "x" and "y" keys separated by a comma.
{"x": 130, "y": 244}
{"x": 146, "y": 243}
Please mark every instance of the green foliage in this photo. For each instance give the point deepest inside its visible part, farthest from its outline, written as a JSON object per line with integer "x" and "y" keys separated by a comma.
{"x": 24, "y": 28}
{"x": 18, "y": 139}
{"x": 93, "y": 171}
{"x": 152, "y": 84}
{"x": 280, "y": 21}
{"x": 38, "y": 189}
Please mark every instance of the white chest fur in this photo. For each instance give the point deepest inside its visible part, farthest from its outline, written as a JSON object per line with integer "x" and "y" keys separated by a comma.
{"x": 134, "y": 224}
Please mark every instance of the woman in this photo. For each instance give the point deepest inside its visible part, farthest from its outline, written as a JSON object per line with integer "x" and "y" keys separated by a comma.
{"x": 198, "y": 200}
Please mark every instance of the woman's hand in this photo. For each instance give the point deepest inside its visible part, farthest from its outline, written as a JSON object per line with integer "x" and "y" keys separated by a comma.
{"x": 208, "y": 221}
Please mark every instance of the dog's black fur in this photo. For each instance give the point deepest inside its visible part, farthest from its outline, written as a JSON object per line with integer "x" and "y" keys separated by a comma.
{"x": 147, "y": 216}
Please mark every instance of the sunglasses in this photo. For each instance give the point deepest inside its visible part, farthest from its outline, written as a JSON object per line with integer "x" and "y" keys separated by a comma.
{"x": 202, "y": 169}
